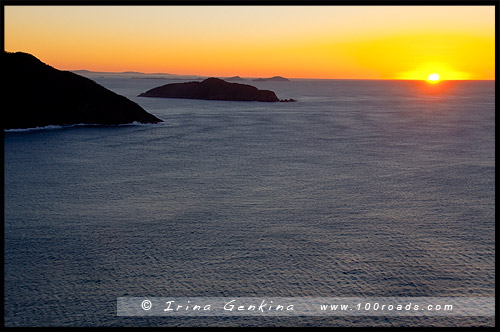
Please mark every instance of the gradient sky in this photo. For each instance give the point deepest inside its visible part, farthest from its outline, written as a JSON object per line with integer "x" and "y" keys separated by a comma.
{"x": 357, "y": 42}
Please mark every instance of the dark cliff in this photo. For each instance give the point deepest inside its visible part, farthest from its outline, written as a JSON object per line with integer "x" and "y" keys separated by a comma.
{"x": 36, "y": 95}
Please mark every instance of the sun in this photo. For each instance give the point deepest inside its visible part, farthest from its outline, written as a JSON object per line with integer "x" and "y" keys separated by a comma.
{"x": 433, "y": 78}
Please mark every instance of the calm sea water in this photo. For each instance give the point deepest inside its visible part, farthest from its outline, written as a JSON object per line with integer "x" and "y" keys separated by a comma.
{"x": 361, "y": 188}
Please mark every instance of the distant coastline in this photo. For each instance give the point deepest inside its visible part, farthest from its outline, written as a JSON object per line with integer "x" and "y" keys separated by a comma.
{"x": 167, "y": 76}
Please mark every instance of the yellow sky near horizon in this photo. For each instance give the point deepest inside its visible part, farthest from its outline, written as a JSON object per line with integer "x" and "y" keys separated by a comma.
{"x": 346, "y": 42}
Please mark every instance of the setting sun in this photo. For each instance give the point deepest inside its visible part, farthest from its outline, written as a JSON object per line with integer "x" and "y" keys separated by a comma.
{"x": 433, "y": 78}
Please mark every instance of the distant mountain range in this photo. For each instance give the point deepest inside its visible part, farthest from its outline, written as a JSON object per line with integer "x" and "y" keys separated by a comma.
{"x": 135, "y": 74}
{"x": 132, "y": 74}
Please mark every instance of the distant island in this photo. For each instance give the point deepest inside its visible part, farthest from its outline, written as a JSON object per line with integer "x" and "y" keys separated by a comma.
{"x": 234, "y": 78}
{"x": 272, "y": 79}
{"x": 212, "y": 89}
{"x": 39, "y": 95}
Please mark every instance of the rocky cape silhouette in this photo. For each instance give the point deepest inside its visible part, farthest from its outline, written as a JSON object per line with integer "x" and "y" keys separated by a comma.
{"x": 212, "y": 89}
{"x": 37, "y": 95}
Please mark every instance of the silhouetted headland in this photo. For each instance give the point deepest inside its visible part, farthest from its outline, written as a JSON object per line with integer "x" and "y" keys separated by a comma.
{"x": 212, "y": 89}
{"x": 272, "y": 79}
{"x": 39, "y": 95}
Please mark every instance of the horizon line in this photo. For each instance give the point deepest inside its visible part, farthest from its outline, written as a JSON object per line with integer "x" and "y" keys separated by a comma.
{"x": 257, "y": 77}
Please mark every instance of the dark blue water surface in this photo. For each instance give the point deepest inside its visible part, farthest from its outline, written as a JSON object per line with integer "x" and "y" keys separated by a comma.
{"x": 360, "y": 188}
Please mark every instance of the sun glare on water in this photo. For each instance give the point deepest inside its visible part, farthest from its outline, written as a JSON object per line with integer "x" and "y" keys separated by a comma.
{"x": 433, "y": 78}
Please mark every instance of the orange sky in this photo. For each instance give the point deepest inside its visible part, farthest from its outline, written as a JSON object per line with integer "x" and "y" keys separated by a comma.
{"x": 357, "y": 42}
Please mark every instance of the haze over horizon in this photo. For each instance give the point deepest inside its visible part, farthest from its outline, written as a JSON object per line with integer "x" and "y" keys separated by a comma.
{"x": 322, "y": 42}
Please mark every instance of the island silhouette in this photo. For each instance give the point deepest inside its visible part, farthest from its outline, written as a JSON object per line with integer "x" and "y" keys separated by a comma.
{"x": 212, "y": 89}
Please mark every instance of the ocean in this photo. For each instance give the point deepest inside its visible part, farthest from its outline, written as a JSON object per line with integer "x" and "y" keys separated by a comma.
{"x": 360, "y": 188}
